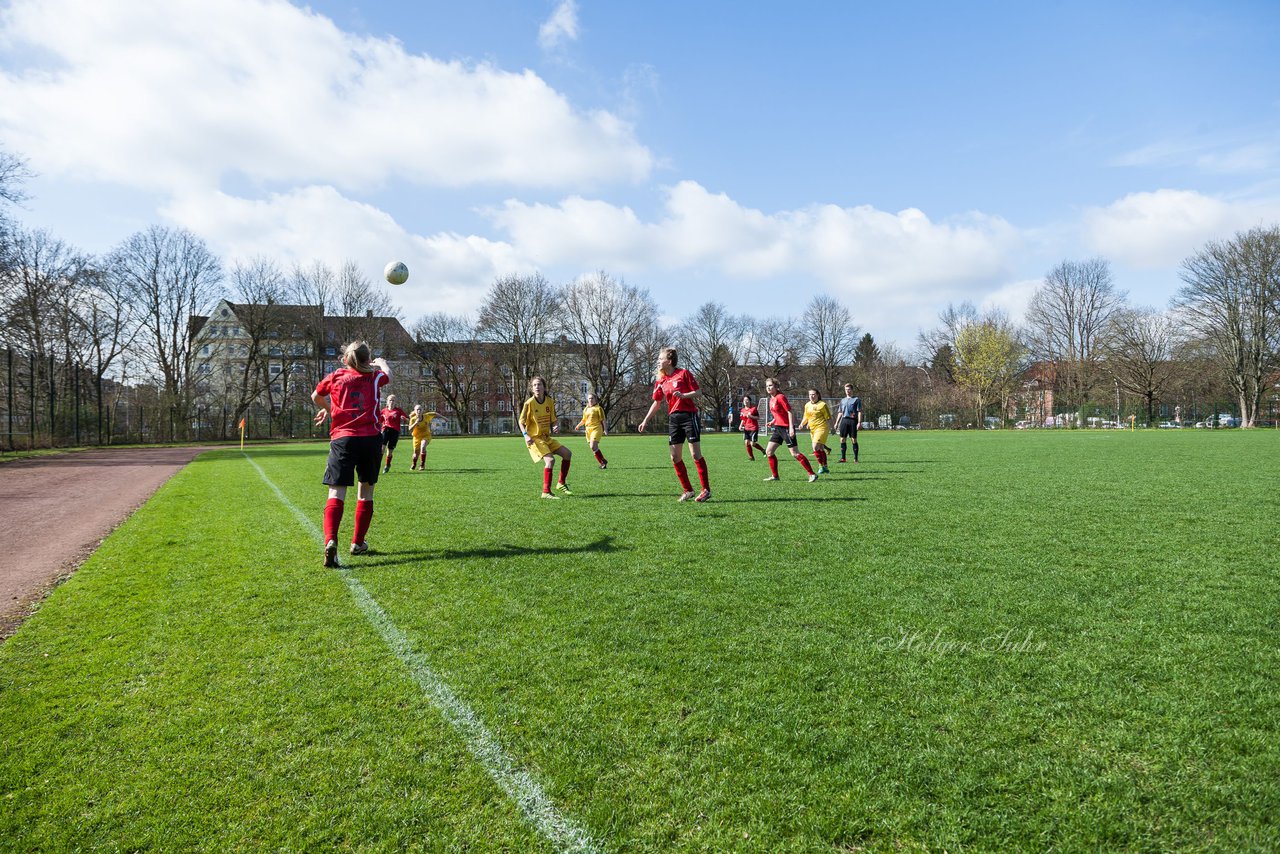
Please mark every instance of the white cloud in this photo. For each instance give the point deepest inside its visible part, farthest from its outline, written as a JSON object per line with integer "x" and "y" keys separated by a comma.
{"x": 446, "y": 272}
{"x": 561, "y": 27}
{"x": 1160, "y": 228}
{"x": 855, "y": 251}
{"x": 184, "y": 93}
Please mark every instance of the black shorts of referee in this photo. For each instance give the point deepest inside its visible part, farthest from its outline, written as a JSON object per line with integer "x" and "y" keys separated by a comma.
{"x": 848, "y": 427}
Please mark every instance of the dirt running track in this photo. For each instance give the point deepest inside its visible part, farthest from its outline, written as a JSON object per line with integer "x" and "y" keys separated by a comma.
{"x": 55, "y": 510}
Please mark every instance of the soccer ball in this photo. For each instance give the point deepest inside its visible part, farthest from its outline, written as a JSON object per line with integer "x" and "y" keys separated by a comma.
{"x": 396, "y": 272}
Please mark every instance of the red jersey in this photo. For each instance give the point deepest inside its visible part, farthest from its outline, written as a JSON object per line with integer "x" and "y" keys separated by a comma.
{"x": 391, "y": 418}
{"x": 749, "y": 414}
{"x": 680, "y": 381}
{"x": 354, "y": 404}
{"x": 780, "y": 411}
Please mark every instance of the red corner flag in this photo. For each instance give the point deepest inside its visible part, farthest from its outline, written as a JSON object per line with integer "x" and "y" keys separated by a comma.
{"x": 242, "y": 434}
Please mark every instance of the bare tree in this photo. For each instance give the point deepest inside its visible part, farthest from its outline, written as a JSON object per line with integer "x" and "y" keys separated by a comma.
{"x": 607, "y": 320}
{"x": 358, "y": 300}
{"x": 1067, "y": 322}
{"x": 1231, "y": 298}
{"x": 109, "y": 321}
{"x": 38, "y": 291}
{"x": 519, "y": 315}
{"x": 712, "y": 345}
{"x": 774, "y": 344}
{"x": 830, "y": 338}
{"x": 459, "y": 364}
{"x": 172, "y": 277}
{"x": 259, "y": 288}
{"x": 1140, "y": 354}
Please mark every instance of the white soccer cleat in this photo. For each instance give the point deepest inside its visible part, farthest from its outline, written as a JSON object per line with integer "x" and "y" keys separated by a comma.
{"x": 812, "y": 478}
{"x": 685, "y": 496}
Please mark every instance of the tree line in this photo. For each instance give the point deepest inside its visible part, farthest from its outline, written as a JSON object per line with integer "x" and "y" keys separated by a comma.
{"x": 82, "y": 332}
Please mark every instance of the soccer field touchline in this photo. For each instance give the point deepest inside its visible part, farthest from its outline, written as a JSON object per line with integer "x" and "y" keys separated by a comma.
{"x": 519, "y": 785}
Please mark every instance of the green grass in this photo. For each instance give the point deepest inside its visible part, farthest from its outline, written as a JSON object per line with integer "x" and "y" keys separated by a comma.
{"x": 981, "y": 641}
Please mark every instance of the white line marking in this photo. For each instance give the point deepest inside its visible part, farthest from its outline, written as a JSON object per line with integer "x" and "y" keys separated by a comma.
{"x": 557, "y": 828}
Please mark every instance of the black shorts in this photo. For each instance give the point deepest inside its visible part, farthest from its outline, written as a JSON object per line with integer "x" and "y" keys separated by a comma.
{"x": 390, "y": 436}
{"x": 782, "y": 436}
{"x": 751, "y": 436}
{"x": 848, "y": 427}
{"x": 682, "y": 426}
{"x": 353, "y": 456}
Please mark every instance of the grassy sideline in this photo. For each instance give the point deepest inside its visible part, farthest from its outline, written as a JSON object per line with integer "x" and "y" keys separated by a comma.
{"x": 991, "y": 641}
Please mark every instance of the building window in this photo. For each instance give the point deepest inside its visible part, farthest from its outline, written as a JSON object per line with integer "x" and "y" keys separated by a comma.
{"x": 331, "y": 351}
{"x": 276, "y": 368}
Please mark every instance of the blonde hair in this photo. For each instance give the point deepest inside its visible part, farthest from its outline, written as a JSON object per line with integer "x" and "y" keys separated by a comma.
{"x": 358, "y": 356}
{"x": 533, "y": 380}
{"x": 667, "y": 353}
{"x": 773, "y": 380}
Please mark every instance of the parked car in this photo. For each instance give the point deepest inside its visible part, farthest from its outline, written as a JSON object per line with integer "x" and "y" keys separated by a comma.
{"x": 1168, "y": 425}
{"x": 1022, "y": 425}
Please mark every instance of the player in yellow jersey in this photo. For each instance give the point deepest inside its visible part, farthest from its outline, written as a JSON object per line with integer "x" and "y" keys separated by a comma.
{"x": 593, "y": 422}
{"x": 420, "y": 428}
{"x": 818, "y": 416}
{"x": 537, "y": 423}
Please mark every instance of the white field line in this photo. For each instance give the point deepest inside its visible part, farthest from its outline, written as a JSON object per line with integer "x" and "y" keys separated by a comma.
{"x": 538, "y": 809}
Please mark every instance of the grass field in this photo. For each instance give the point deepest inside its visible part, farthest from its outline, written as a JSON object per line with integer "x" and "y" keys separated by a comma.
{"x": 971, "y": 641}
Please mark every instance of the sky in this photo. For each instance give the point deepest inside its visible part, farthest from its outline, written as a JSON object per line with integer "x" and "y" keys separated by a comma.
{"x": 896, "y": 156}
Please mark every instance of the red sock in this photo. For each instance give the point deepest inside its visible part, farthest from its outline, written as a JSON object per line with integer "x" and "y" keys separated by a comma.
{"x": 804, "y": 461}
{"x": 388, "y": 459}
{"x": 701, "y": 465}
{"x": 364, "y": 515}
{"x": 821, "y": 455}
{"x": 683, "y": 474}
{"x": 773, "y": 466}
{"x": 546, "y": 480}
{"x": 414, "y": 464}
{"x": 332, "y": 519}
{"x": 564, "y": 470}
{"x": 750, "y": 454}
{"x": 599, "y": 457}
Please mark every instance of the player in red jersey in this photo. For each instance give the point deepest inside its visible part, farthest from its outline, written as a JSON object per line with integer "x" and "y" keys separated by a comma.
{"x": 349, "y": 396}
{"x": 749, "y": 424}
{"x": 784, "y": 431}
{"x": 678, "y": 388}
{"x": 391, "y": 417}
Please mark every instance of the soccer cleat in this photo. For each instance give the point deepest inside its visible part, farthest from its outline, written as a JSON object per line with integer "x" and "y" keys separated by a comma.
{"x": 685, "y": 496}
{"x": 551, "y": 495}
{"x": 603, "y": 466}
{"x": 704, "y": 495}
{"x": 842, "y": 460}
{"x": 563, "y": 488}
{"x": 823, "y": 470}
{"x": 812, "y": 478}
{"x": 331, "y": 554}
{"x": 359, "y": 548}
{"x": 767, "y": 479}
{"x": 387, "y": 469}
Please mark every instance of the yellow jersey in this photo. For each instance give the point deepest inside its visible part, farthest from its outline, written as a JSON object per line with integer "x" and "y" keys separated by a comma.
{"x": 536, "y": 418}
{"x": 592, "y": 418}
{"x": 818, "y": 415}
{"x": 421, "y": 428}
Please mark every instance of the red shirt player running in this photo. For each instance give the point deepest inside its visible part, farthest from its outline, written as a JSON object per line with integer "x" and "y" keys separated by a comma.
{"x": 784, "y": 431}
{"x": 749, "y": 424}
{"x": 678, "y": 388}
{"x": 391, "y": 418}
{"x": 349, "y": 396}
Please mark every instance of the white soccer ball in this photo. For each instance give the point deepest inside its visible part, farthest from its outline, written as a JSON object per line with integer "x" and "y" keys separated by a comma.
{"x": 396, "y": 272}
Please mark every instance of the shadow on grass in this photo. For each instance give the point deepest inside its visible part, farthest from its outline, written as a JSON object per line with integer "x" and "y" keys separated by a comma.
{"x": 604, "y": 545}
